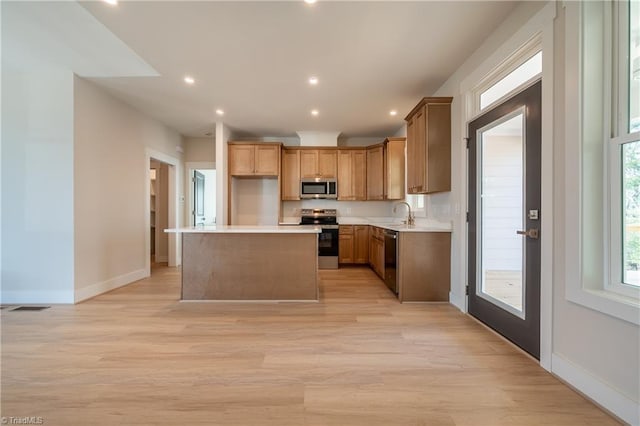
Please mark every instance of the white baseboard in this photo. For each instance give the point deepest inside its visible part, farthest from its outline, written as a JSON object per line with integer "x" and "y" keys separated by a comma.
{"x": 600, "y": 392}
{"x": 458, "y": 301}
{"x": 36, "y": 297}
{"x": 113, "y": 283}
{"x": 159, "y": 259}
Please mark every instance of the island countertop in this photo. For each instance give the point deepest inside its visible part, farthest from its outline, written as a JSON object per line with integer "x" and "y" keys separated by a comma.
{"x": 245, "y": 229}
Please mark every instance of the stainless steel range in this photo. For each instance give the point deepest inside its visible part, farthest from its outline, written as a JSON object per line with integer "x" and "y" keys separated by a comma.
{"x": 328, "y": 238}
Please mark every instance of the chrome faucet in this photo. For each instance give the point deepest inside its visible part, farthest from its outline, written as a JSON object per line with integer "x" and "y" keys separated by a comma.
{"x": 410, "y": 219}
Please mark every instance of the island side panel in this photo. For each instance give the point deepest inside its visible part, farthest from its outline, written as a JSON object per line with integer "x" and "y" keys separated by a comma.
{"x": 244, "y": 266}
{"x": 425, "y": 266}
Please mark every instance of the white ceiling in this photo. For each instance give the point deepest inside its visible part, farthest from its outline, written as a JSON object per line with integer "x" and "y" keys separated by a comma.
{"x": 253, "y": 59}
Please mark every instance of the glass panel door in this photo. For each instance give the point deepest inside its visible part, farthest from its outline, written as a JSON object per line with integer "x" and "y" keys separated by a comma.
{"x": 501, "y": 180}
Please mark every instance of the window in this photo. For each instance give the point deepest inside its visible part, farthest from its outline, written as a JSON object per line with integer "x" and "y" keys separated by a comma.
{"x": 624, "y": 150}
{"x": 526, "y": 72}
{"x": 603, "y": 196}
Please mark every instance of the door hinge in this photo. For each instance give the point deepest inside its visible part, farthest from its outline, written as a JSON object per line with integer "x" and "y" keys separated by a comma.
{"x": 193, "y": 180}
{"x": 466, "y": 290}
{"x": 467, "y": 217}
{"x": 467, "y": 142}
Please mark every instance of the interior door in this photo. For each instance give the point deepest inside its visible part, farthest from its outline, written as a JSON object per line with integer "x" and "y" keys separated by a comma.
{"x": 504, "y": 218}
{"x": 198, "y": 198}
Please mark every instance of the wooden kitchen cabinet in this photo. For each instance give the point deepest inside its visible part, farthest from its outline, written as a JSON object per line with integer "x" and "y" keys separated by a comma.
{"x": 319, "y": 163}
{"x": 375, "y": 172}
{"x": 361, "y": 244}
{"x": 429, "y": 146}
{"x": 354, "y": 244}
{"x": 254, "y": 159}
{"x": 345, "y": 244}
{"x": 290, "y": 174}
{"x": 386, "y": 170}
{"x": 394, "y": 168}
{"x": 352, "y": 174}
{"x": 424, "y": 266}
{"x": 376, "y": 250}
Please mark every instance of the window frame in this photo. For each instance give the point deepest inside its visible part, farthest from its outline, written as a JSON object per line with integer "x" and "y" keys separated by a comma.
{"x": 617, "y": 128}
{"x": 592, "y": 238}
{"x": 527, "y": 51}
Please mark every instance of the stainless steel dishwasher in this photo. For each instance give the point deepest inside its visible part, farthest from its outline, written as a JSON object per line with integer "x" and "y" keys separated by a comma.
{"x": 391, "y": 260}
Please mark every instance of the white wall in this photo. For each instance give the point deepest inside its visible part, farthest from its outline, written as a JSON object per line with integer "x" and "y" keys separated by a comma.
{"x": 254, "y": 201}
{"x": 199, "y": 149}
{"x": 111, "y": 188}
{"x": 37, "y": 187}
{"x": 291, "y": 209}
{"x": 596, "y": 353}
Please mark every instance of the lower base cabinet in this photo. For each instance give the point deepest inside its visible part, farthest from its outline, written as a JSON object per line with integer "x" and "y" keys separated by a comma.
{"x": 424, "y": 266}
{"x": 424, "y": 260}
{"x": 353, "y": 243}
{"x": 376, "y": 250}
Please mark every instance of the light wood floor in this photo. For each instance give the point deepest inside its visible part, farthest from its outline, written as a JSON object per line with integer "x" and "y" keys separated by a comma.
{"x": 137, "y": 356}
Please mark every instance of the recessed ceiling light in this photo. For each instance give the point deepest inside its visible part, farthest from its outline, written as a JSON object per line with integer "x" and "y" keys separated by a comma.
{"x": 111, "y": 2}
{"x": 219, "y": 112}
{"x": 189, "y": 80}
{"x": 313, "y": 81}
{"x": 310, "y": 1}
{"x": 315, "y": 112}
{"x": 393, "y": 112}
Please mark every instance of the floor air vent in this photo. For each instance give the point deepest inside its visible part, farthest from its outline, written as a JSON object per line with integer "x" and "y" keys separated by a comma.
{"x": 30, "y": 308}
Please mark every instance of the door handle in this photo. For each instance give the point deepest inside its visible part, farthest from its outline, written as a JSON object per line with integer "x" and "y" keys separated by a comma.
{"x": 531, "y": 233}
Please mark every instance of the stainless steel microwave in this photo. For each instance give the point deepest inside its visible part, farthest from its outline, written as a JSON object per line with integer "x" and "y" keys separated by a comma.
{"x": 318, "y": 188}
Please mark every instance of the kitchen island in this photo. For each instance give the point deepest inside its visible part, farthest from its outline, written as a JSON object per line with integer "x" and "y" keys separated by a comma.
{"x": 253, "y": 263}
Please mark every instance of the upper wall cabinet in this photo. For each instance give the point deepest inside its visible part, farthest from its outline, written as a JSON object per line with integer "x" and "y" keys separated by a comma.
{"x": 254, "y": 159}
{"x": 394, "y": 168}
{"x": 318, "y": 163}
{"x": 385, "y": 170}
{"x": 352, "y": 174}
{"x": 429, "y": 146}
{"x": 290, "y": 174}
{"x": 375, "y": 172}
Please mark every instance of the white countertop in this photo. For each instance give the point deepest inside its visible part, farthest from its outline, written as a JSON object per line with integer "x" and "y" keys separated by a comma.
{"x": 395, "y": 224}
{"x": 240, "y": 229}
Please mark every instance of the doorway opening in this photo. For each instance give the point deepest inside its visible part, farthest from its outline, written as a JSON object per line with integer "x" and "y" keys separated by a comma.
{"x": 203, "y": 205}
{"x": 158, "y": 212}
{"x": 504, "y": 218}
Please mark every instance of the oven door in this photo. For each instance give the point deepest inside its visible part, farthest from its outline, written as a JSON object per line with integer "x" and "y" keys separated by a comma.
{"x": 328, "y": 241}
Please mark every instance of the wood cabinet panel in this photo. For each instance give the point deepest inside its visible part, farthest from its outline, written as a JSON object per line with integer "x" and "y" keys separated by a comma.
{"x": 359, "y": 175}
{"x": 267, "y": 160}
{"x": 345, "y": 254}
{"x": 308, "y": 163}
{"x": 361, "y": 244}
{"x": 328, "y": 163}
{"x": 376, "y": 250}
{"x": 429, "y": 146}
{"x": 345, "y": 172}
{"x": 241, "y": 160}
{"x": 319, "y": 163}
{"x": 424, "y": 266}
{"x": 249, "y": 159}
{"x": 351, "y": 174}
{"x": 290, "y": 174}
{"x": 375, "y": 173}
{"x": 394, "y": 168}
